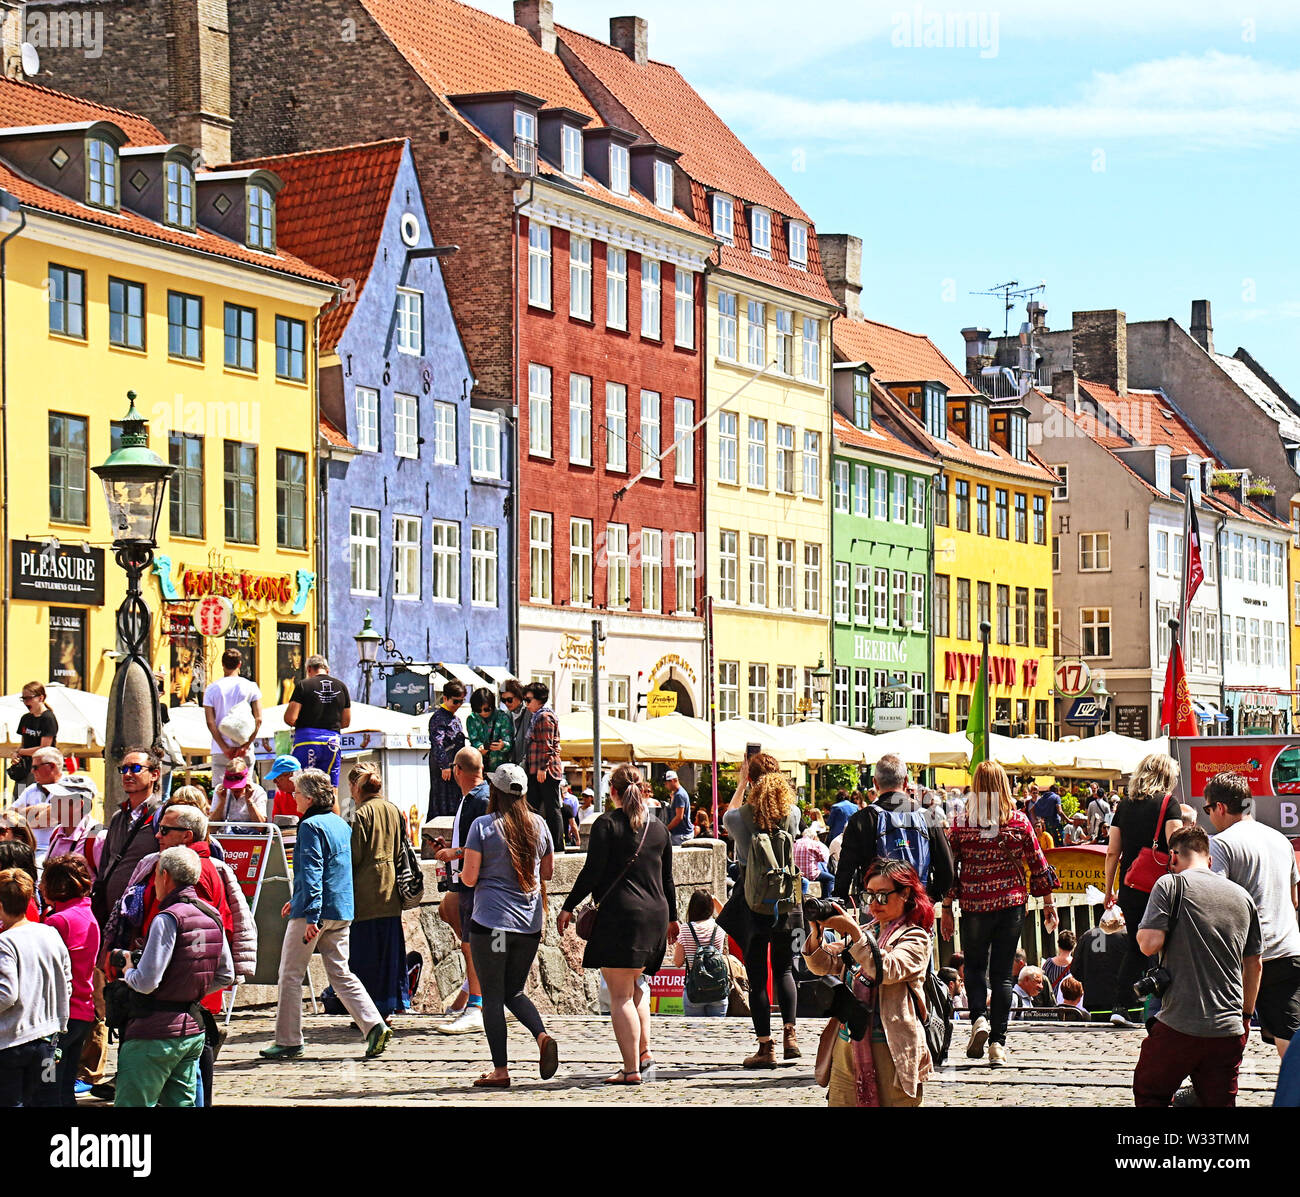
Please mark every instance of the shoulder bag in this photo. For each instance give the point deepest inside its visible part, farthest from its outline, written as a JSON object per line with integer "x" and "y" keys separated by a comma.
{"x": 585, "y": 921}
{"x": 1151, "y": 864}
{"x": 410, "y": 877}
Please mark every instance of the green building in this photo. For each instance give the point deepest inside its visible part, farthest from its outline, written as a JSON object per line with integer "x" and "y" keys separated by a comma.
{"x": 882, "y": 559}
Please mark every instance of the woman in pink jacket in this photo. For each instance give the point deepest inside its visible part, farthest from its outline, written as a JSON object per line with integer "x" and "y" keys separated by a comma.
{"x": 65, "y": 886}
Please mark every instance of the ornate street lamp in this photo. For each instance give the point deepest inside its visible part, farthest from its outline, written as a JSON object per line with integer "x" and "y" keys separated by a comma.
{"x": 821, "y": 680}
{"x": 135, "y": 488}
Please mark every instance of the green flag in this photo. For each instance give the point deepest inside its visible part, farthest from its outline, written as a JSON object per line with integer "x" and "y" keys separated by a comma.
{"x": 977, "y": 722}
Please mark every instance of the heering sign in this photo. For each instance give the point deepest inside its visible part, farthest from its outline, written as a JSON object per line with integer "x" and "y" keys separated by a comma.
{"x": 66, "y": 574}
{"x": 884, "y": 652}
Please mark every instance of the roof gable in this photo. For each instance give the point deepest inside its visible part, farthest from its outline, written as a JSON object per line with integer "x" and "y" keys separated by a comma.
{"x": 27, "y": 104}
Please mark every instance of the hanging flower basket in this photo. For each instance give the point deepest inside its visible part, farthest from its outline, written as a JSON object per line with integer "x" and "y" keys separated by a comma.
{"x": 1261, "y": 488}
{"x": 1224, "y": 480}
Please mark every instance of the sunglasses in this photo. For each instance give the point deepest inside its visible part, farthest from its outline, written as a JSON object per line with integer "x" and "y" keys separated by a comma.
{"x": 170, "y": 827}
{"x": 880, "y": 896}
{"x": 1208, "y": 808}
{"x": 125, "y": 769}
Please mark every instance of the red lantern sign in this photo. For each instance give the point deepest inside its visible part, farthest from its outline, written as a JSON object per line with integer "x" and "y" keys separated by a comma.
{"x": 213, "y": 615}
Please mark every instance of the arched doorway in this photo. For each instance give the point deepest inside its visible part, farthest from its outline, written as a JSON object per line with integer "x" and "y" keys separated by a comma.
{"x": 684, "y": 704}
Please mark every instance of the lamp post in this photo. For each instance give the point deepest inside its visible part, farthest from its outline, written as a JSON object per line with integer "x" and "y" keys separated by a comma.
{"x": 821, "y": 680}
{"x": 135, "y": 488}
{"x": 368, "y": 642}
{"x": 1102, "y": 694}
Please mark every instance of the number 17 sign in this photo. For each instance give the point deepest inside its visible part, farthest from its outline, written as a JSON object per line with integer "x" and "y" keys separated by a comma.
{"x": 1073, "y": 677}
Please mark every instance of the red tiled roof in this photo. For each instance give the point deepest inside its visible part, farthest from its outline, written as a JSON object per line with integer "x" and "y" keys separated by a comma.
{"x": 334, "y": 436}
{"x": 1150, "y": 419}
{"x": 458, "y": 50}
{"x": 883, "y": 440}
{"x": 331, "y": 213}
{"x": 23, "y": 104}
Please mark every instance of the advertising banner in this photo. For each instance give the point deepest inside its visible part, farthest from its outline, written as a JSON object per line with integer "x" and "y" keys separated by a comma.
{"x": 246, "y": 855}
{"x": 666, "y": 991}
{"x": 1078, "y": 867}
{"x": 68, "y": 647}
{"x": 1271, "y": 764}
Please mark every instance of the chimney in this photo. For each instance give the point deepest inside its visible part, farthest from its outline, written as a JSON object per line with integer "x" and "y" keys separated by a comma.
{"x": 1202, "y": 328}
{"x": 977, "y": 350}
{"x": 198, "y": 59}
{"x": 12, "y": 28}
{"x": 1099, "y": 342}
{"x": 842, "y": 264}
{"x": 538, "y": 18}
{"x": 632, "y": 36}
{"x": 1065, "y": 389}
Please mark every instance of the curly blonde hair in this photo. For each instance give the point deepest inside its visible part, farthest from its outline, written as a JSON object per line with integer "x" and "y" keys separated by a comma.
{"x": 770, "y": 798}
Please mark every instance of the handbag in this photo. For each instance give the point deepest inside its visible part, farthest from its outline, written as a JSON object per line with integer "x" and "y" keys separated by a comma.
{"x": 585, "y": 921}
{"x": 1150, "y": 864}
{"x": 410, "y": 876}
{"x": 826, "y": 1052}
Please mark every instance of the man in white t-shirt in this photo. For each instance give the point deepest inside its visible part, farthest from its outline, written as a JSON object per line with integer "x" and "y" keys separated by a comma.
{"x": 222, "y": 697}
{"x": 1261, "y": 861}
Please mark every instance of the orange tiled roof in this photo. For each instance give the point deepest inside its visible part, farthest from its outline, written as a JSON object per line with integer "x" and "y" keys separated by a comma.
{"x": 334, "y": 436}
{"x": 458, "y": 50}
{"x": 23, "y": 104}
{"x": 880, "y": 440}
{"x": 331, "y": 213}
{"x": 1150, "y": 419}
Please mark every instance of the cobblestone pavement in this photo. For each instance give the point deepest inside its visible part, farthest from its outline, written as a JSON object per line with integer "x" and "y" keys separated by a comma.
{"x": 698, "y": 1064}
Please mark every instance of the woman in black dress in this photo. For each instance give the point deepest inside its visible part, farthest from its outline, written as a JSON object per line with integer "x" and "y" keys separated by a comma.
{"x": 629, "y": 873}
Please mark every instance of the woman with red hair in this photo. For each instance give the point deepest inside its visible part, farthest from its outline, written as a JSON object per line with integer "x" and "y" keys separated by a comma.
{"x": 888, "y": 1065}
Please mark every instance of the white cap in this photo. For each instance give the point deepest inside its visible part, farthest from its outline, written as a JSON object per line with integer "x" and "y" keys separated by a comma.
{"x": 670, "y": 776}
{"x": 509, "y": 779}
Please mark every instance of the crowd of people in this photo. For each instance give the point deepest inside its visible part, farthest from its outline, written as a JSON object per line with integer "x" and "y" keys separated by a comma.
{"x": 884, "y": 914}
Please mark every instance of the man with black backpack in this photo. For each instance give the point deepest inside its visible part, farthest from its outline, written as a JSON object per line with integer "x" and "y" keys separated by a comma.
{"x": 897, "y": 828}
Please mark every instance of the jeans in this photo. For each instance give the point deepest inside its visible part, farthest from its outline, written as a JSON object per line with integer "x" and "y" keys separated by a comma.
{"x": 71, "y": 1042}
{"x": 158, "y": 1072}
{"x": 989, "y": 939}
{"x": 28, "y": 1075}
{"x": 502, "y": 960}
{"x": 544, "y": 798}
{"x": 708, "y": 1010}
{"x": 780, "y": 941}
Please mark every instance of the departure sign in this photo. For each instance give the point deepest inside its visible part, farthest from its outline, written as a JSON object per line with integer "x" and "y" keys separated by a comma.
{"x": 1073, "y": 677}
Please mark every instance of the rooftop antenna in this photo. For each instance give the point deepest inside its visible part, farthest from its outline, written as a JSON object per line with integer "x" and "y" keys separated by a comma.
{"x": 1010, "y": 292}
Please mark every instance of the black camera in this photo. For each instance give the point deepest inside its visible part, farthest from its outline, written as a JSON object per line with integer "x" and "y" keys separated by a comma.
{"x": 818, "y": 910}
{"x": 1154, "y": 982}
{"x": 829, "y": 997}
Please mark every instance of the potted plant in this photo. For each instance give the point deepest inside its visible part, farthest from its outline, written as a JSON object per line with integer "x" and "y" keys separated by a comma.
{"x": 1224, "y": 480}
{"x": 1261, "y": 488}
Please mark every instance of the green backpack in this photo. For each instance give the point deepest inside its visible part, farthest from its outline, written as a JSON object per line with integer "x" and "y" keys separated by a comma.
{"x": 773, "y": 884}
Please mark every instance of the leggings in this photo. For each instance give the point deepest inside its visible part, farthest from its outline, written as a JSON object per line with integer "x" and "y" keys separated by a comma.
{"x": 502, "y": 960}
{"x": 778, "y": 939}
{"x": 989, "y": 939}
{"x": 1133, "y": 902}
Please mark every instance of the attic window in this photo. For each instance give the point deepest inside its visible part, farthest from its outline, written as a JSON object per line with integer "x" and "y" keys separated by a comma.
{"x": 180, "y": 196}
{"x": 620, "y": 171}
{"x": 261, "y": 218}
{"x": 525, "y": 141}
{"x": 977, "y": 424}
{"x": 663, "y": 185}
{"x": 862, "y": 400}
{"x": 760, "y": 232}
{"x": 798, "y": 239}
{"x": 59, "y": 158}
{"x": 936, "y": 413}
{"x": 571, "y": 151}
{"x": 1019, "y": 438}
{"x": 101, "y": 173}
{"x": 724, "y": 213}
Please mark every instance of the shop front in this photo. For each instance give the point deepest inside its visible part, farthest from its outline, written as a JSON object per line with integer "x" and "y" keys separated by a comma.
{"x": 1256, "y": 712}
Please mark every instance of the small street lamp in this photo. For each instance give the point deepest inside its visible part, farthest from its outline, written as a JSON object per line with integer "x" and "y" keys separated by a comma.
{"x": 135, "y": 488}
{"x": 821, "y": 680}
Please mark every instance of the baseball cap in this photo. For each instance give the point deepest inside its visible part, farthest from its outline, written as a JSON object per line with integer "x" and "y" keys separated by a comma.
{"x": 588, "y": 793}
{"x": 670, "y": 775}
{"x": 509, "y": 779}
{"x": 283, "y": 764}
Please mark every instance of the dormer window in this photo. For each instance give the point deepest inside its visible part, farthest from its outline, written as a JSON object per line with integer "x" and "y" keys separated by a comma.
{"x": 724, "y": 212}
{"x": 1019, "y": 438}
{"x": 261, "y": 218}
{"x": 977, "y": 424}
{"x": 760, "y": 232}
{"x": 862, "y": 400}
{"x": 936, "y": 413}
{"x": 180, "y": 195}
{"x": 1162, "y": 469}
{"x": 571, "y": 151}
{"x": 663, "y": 185}
{"x": 798, "y": 238}
{"x": 101, "y": 173}
{"x": 620, "y": 170}
{"x": 526, "y": 141}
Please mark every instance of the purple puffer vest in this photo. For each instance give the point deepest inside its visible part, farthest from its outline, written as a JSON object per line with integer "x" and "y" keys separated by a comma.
{"x": 189, "y": 975}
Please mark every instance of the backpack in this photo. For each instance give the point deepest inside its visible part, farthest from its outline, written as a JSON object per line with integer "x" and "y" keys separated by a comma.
{"x": 709, "y": 977}
{"x": 773, "y": 883}
{"x": 937, "y": 1023}
{"x": 905, "y": 835}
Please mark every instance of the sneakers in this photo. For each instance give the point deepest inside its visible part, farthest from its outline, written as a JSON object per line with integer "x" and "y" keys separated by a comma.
{"x": 997, "y": 1055}
{"x": 80, "y": 1087}
{"x": 377, "y": 1040}
{"x": 765, "y": 1057}
{"x": 279, "y": 1051}
{"x": 979, "y": 1036}
{"x": 1118, "y": 1020}
{"x": 470, "y": 1020}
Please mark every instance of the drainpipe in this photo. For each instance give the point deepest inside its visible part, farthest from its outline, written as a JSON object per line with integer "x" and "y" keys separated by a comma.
{"x": 8, "y": 203}
{"x": 513, "y": 574}
{"x": 933, "y": 678}
{"x": 322, "y": 528}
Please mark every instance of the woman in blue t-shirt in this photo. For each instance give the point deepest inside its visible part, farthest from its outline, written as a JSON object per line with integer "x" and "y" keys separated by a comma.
{"x": 508, "y": 859}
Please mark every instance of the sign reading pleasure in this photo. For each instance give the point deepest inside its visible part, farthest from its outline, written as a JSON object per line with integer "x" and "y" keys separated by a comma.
{"x": 50, "y": 572}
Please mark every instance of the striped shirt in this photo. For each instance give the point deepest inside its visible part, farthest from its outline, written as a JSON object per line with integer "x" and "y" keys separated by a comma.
{"x": 708, "y": 932}
{"x": 990, "y": 863}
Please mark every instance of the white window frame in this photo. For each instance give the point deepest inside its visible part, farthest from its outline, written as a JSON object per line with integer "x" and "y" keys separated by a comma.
{"x": 579, "y": 419}
{"x": 580, "y": 277}
{"x": 812, "y": 349}
{"x": 862, "y": 595}
{"x": 540, "y": 556}
{"x": 862, "y": 491}
{"x": 410, "y": 321}
{"x": 724, "y": 217}
{"x": 898, "y": 499}
{"x": 539, "y": 265}
{"x": 901, "y": 598}
{"x": 1162, "y": 552}
{"x": 408, "y": 532}
{"x": 1097, "y": 553}
{"x": 684, "y": 439}
{"x": 728, "y": 690}
{"x": 581, "y": 587}
{"x": 784, "y": 483}
{"x": 755, "y": 332}
{"x": 366, "y": 404}
{"x": 652, "y": 570}
{"x": 620, "y": 169}
{"x": 757, "y": 562}
{"x": 760, "y": 232}
{"x": 880, "y": 597}
{"x": 616, "y": 426}
{"x": 539, "y": 410}
{"x": 812, "y": 578}
{"x": 444, "y": 562}
{"x": 1090, "y": 621}
{"x": 445, "y": 434}
{"x": 615, "y": 287}
{"x": 841, "y": 487}
{"x": 363, "y": 541}
{"x": 756, "y": 454}
{"x": 406, "y": 426}
{"x": 571, "y": 151}
{"x": 797, "y": 239}
{"x": 1061, "y": 493}
{"x": 684, "y": 571}
{"x": 684, "y": 308}
{"x": 620, "y": 691}
{"x": 918, "y": 503}
{"x": 880, "y": 495}
{"x": 812, "y": 464}
{"x": 663, "y": 185}
{"x": 785, "y": 341}
{"x": 729, "y": 447}
{"x": 785, "y": 684}
{"x": 728, "y": 344}
{"x": 483, "y": 566}
{"x": 651, "y": 299}
{"x": 618, "y": 578}
{"x": 840, "y": 593}
{"x": 918, "y": 604}
{"x": 785, "y": 585}
{"x": 485, "y": 445}
{"x": 651, "y": 405}
{"x": 729, "y": 564}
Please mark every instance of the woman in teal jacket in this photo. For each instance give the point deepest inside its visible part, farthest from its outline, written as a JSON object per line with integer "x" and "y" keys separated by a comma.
{"x": 489, "y": 729}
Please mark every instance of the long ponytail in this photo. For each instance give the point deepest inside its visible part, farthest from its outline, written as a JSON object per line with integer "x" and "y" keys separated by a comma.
{"x": 627, "y": 784}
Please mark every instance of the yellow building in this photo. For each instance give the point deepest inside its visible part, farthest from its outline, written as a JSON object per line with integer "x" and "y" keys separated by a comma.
{"x": 127, "y": 271}
{"x": 1293, "y": 575}
{"x": 992, "y": 545}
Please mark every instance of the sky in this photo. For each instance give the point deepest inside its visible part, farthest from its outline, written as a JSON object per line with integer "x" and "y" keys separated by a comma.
{"x": 1132, "y": 154}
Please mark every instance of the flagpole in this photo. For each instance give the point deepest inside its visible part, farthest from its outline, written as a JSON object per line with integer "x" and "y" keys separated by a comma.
{"x": 1168, "y": 716}
{"x": 1187, "y": 561}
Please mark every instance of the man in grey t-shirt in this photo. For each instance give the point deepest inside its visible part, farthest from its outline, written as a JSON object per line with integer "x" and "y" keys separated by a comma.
{"x": 1211, "y": 952}
{"x": 1262, "y": 861}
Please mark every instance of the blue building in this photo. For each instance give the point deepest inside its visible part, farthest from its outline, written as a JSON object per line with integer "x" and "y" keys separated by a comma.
{"x": 414, "y": 478}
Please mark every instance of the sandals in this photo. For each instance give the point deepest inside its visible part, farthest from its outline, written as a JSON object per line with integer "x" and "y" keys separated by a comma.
{"x": 623, "y": 1078}
{"x": 647, "y": 1069}
{"x": 488, "y": 1081}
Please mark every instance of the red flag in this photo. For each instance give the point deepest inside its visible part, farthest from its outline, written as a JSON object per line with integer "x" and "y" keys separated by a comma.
{"x": 1195, "y": 568}
{"x": 1176, "y": 711}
